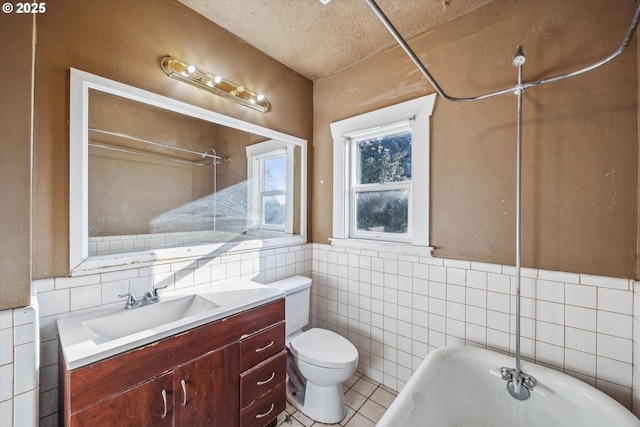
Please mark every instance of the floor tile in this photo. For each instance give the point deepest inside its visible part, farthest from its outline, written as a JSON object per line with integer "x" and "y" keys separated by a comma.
{"x": 372, "y": 410}
{"x": 383, "y": 397}
{"x": 303, "y": 419}
{"x": 354, "y": 399}
{"x": 364, "y": 387}
{"x": 360, "y": 421}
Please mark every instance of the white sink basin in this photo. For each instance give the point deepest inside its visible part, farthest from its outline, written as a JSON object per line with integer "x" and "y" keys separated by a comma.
{"x": 97, "y": 334}
{"x": 127, "y": 322}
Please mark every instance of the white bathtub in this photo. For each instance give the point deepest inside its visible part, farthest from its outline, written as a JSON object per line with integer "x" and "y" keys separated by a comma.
{"x": 462, "y": 387}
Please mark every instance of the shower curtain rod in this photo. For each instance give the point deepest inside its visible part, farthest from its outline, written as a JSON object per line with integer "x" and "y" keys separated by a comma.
{"x": 206, "y": 154}
{"x": 519, "y": 384}
{"x": 522, "y": 86}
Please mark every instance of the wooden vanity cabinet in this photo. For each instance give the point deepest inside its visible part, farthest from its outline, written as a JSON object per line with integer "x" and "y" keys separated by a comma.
{"x": 190, "y": 379}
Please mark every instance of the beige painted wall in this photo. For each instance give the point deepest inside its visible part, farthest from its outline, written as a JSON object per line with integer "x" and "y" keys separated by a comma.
{"x": 580, "y": 155}
{"x": 125, "y": 41}
{"x": 16, "y": 49}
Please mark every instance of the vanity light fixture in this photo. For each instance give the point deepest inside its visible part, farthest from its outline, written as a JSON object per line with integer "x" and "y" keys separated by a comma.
{"x": 189, "y": 73}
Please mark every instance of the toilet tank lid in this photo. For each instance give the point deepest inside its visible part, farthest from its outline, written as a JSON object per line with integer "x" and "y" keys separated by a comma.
{"x": 291, "y": 284}
{"x": 324, "y": 348}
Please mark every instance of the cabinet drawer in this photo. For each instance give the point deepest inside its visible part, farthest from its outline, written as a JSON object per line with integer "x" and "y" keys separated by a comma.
{"x": 259, "y": 380}
{"x": 266, "y": 409}
{"x": 261, "y": 346}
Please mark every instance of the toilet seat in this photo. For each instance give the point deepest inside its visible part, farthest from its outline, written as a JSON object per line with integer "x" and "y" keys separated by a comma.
{"x": 321, "y": 347}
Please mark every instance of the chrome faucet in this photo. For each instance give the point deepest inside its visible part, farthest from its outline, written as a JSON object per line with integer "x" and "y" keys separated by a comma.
{"x": 132, "y": 301}
{"x": 152, "y": 296}
{"x": 519, "y": 384}
{"x": 149, "y": 298}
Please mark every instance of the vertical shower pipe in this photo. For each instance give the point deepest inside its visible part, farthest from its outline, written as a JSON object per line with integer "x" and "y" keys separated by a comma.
{"x": 518, "y": 61}
{"x": 216, "y": 160}
{"x": 519, "y": 383}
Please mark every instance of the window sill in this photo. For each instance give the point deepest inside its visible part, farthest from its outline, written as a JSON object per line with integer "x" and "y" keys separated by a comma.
{"x": 380, "y": 246}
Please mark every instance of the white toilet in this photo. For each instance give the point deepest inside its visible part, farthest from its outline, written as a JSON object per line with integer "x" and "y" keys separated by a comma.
{"x": 322, "y": 358}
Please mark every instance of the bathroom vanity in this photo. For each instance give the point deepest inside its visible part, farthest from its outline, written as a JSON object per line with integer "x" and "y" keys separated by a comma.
{"x": 227, "y": 372}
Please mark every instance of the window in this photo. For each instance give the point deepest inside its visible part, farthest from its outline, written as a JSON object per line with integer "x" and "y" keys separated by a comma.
{"x": 380, "y": 183}
{"x": 381, "y": 176}
{"x": 273, "y": 200}
{"x": 270, "y": 199}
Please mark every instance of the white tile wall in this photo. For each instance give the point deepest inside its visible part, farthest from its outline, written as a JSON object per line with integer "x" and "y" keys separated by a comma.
{"x": 636, "y": 349}
{"x": 65, "y": 296}
{"x": 19, "y": 364}
{"x": 396, "y": 308}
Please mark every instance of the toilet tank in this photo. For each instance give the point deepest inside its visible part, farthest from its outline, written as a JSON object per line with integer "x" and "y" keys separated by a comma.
{"x": 297, "y": 300}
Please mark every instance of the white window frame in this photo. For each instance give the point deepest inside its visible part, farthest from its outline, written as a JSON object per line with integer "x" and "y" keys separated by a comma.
{"x": 256, "y": 154}
{"x": 420, "y": 110}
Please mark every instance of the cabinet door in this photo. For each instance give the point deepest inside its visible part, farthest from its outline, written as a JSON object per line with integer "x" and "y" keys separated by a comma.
{"x": 149, "y": 404}
{"x": 207, "y": 390}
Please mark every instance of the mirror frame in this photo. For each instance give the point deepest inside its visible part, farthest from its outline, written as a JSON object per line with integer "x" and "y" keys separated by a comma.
{"x": 79, "y": 260}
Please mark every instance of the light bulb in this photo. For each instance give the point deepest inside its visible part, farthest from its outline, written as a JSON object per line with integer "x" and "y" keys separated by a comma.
{"x": 260, "y": 98}
{"x": 217, "y": 79}
{"x": 191, "y": 69}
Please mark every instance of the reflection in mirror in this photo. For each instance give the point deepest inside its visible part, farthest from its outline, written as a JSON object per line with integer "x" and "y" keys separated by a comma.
{"x": 161, "y": 177}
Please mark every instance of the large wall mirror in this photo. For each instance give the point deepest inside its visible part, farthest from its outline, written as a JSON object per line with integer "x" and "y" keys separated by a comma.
{"x": 152, "y": 178}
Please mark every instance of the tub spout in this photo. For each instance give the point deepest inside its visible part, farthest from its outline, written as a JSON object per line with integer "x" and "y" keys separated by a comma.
{"x": 519, "y": 384}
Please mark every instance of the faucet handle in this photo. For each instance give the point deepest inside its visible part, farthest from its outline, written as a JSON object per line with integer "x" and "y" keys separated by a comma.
{"x": 131, "y": 299}
{"x": 151, "y": 295}
{"x": 154, "y": 292}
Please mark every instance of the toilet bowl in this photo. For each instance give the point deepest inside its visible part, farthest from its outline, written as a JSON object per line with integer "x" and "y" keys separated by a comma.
{"x": 325, "y": 360}
{"x": 319, "y": 360}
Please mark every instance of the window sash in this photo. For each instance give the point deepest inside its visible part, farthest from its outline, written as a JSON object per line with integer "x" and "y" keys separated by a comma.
{"x": 355, "y": 187}
{"x": 257, "y": 155}
{"x": 263, "y": 194}
{"x": 355, "y": 232}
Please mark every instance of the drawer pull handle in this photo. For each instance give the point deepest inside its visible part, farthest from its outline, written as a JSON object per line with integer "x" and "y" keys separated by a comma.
{"x": 273, "y": 405}
{"x": 164, "y": 399}
{"x": 184, "y": 393}
{"x": 258, "y": 350}
{"x": 273, "y": 374}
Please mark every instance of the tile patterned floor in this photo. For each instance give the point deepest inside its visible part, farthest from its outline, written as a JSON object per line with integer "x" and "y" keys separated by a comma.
{"x": 366, "y": 401}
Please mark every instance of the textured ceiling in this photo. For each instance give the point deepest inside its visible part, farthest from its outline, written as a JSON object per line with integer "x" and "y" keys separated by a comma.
{"x": 318, "y": 40}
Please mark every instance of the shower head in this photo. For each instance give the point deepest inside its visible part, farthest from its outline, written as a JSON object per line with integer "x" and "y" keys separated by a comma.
{"x": 518, "y": 58}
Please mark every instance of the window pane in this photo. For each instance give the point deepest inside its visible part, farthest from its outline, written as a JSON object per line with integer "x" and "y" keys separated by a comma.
{"x": 275, "y": 171}
{"x": 384, "y": 159}
{"x": 382, "y": 211}
{"x": 273, "y": 210}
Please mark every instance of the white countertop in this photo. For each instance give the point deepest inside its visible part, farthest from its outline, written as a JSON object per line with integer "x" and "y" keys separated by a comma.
{"x": 232, "y": 297}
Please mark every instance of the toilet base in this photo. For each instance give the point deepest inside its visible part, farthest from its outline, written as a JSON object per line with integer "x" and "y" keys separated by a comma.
{"x": 323, "y": 404}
